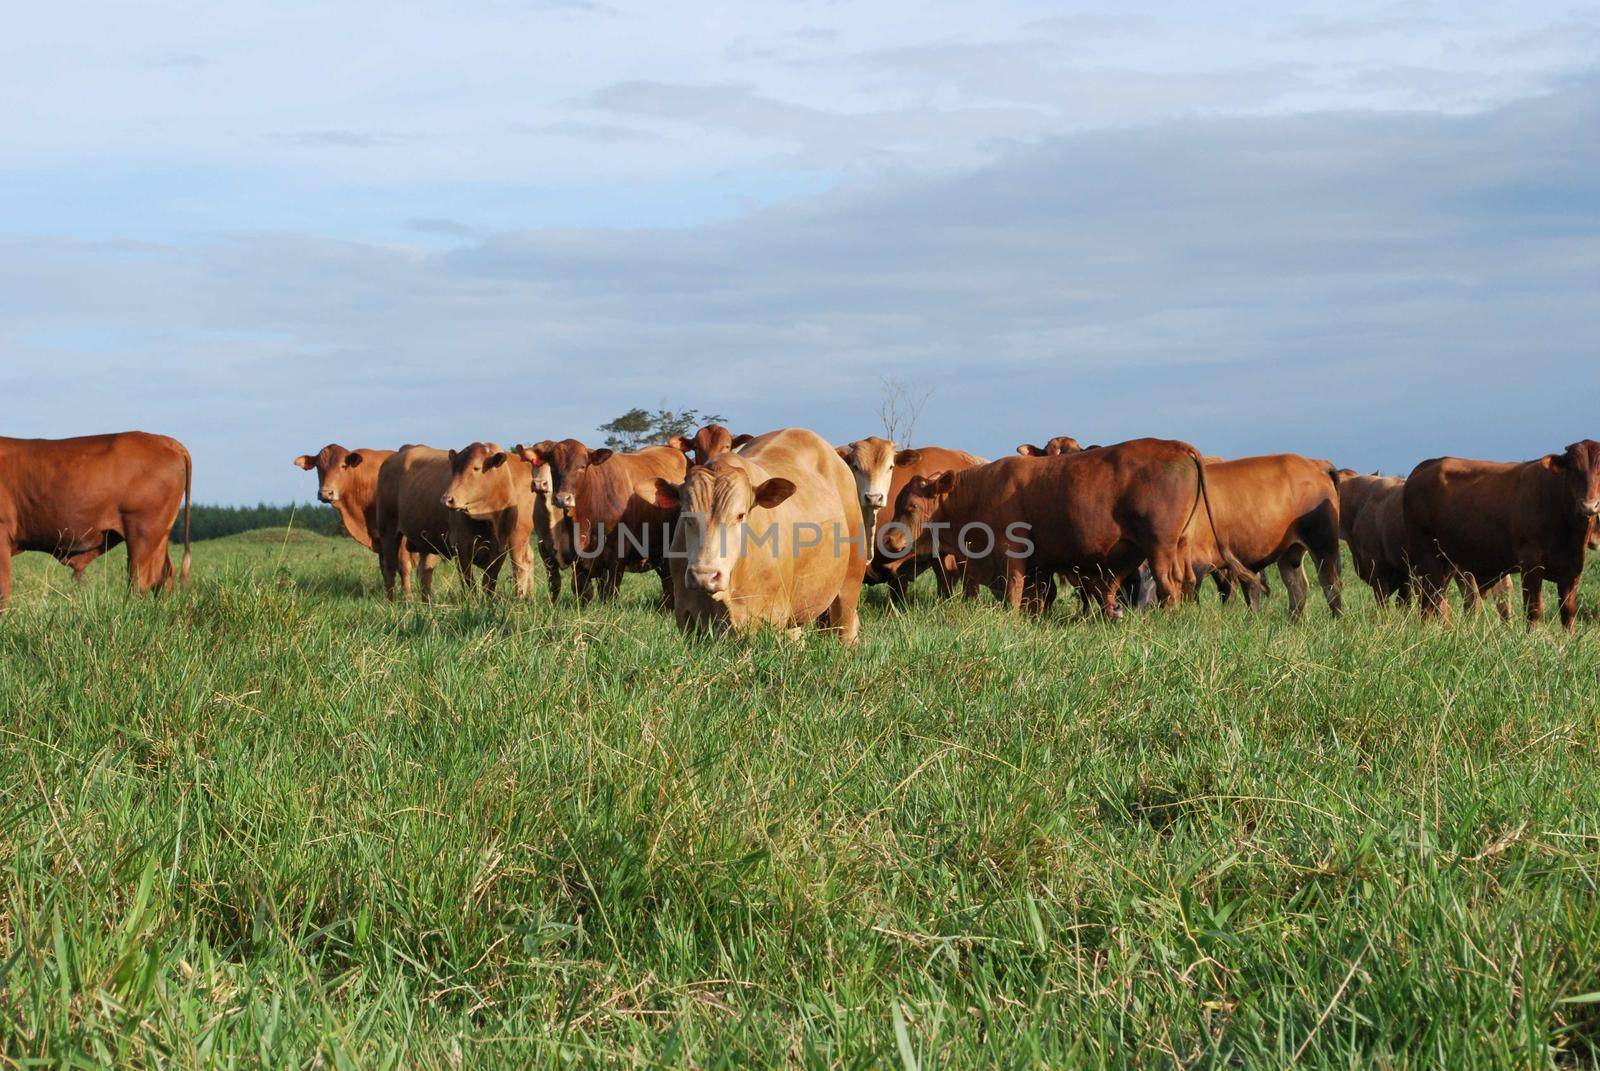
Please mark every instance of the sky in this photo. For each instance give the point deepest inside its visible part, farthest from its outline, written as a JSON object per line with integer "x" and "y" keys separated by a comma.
{"x": 1368, "y": 232}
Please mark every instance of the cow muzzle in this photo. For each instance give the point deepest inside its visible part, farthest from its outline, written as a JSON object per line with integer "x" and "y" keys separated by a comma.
{"x": 329, "y": 497}
{"x": 1590, "y": 508}
{"x": 873, "y": 499}
{"x": 564, "y": 499}
{"x": 706, "y": 578}
{"x": 448, "y": 501}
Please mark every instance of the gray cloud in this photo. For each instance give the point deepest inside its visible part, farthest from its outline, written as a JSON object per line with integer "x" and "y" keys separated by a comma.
{"x": 449, "y": 228}
{"x": 343, "y": 139}
{"x": 1373, "y": 288}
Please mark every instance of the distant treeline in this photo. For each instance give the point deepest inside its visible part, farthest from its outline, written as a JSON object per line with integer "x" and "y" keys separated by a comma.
{"x": 214, "y": 522}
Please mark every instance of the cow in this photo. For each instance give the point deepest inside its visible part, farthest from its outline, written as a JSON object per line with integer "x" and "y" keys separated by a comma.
{"x": 617, "y": 526}
{"x": 347, "y": 480}
{"x": 1373, "y": 523}
{"x": 872, "y": 464}
{"x": 1094, "y": 515}
{"x": 770, "y": 534}
{"x": 909, "y": 464}
{"x": 494, "y": 489}
{"x": 415, "y": 528}
{"x": 1061, "y": 444}
{"x": 552, "y": 525}
{"x": 1275, "y": 509}
{"x": 707, "y": 443}
{"x": 77, "y": 498}
{"x": 1488, "y": 519}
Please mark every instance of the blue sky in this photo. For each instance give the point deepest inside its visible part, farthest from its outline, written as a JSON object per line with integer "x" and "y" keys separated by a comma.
{"x": 1369, "y": 232}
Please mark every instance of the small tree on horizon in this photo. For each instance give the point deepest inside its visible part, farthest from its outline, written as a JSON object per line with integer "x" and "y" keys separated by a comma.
{"x": 899, "y": 407}
{"x": 638, "y": 428}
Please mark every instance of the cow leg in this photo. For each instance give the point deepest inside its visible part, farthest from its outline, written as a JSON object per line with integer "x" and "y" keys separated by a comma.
{"x": 426, "y": 563}
{"x": 1168, "y": 574}
{"x": 149, "y": 567}
{"x": 491, "y": 574}
{"x": 1224, "y": 589}
{"x": 1568, "y": 590}
{"x": 1501, "y": 592}
{"x": 464, "y": 567}
{"x": 5, "y": 570}
{"x": 1533, "y": 595}
{"x": 665, "y": 573}
{"x": 1292, "y": 568}
{"x": 1471, "y": 594}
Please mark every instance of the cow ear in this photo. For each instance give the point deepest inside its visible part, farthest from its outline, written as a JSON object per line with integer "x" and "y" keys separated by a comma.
{"x": 843, "y": 452}
{"x": 663, "y": 494}
{"x": 306, "y": 461}
{"x": 1554, "y": 462}
{"x": 908, "y": 457}
{"x": 1030, "y": 450}
{"x": 680, "y": 444}
{"x": 494, "y": 460}
{"x": 740, "y": 440}
{"x": 944, "y": 482}
{"x": 773, "y": 491}
{"x": 597, "y": 457}
{"x": 353, "y": 460}
{"x": 452, "y": 457}
{"x": 529, "y": 454}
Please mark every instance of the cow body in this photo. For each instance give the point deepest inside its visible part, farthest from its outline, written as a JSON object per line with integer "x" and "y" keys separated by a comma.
{"x": 619, "y": 527}
{"x": 1094, "y": 515}
{"x": 1484, "y": 520}
{"x": 1274, "y": 509}
{"x": 495, "y": 491}
{"x": 415, "y": 528}
{"x": 77, "y": 498}
{"x": 770, "y": 534}
{"x": 347, "y": 480}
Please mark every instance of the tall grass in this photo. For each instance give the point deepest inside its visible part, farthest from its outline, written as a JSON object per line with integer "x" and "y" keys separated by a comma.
{"x": 274, "y": 821}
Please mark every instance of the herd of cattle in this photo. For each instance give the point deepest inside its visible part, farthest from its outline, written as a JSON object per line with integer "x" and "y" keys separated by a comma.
{"x": 784, "y": 528}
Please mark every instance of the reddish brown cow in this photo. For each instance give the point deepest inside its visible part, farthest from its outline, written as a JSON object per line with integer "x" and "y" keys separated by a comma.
{"x": 1275, "y": 509}
{"x": 1372, "y": 522}
{"x": 1488, "y": 519}
{"x": 1093, "y": 515}
{"x": 707, "y": 443}
{"x": 770, "y": 534}
{"x": 347, "y": 480}
{"x": 415, "y": 528}
{"x": 552, "y": 525}
{"x": 494, "y": 489}
{"x": 1061, "y": 444}
{"x": 77, "y": 498}
{"x": 908, "y": 465}
{"x": 620, "y": 527}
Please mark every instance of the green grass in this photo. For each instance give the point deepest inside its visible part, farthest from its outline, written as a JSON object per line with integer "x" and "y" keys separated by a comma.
{"x": 274, "y": 821}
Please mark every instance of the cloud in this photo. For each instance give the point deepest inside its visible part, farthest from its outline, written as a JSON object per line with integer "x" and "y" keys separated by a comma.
{"x": 599, "y": 133}
{"x": 1369, "y": 287}
{"x": 343, "y": 139}
{"x": 448, "y": 228}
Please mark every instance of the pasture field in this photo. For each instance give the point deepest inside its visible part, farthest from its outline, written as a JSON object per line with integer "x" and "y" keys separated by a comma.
{"x": 273, "y": 821}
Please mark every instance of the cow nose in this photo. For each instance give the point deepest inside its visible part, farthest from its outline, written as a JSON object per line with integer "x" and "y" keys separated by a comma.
{"x": 874, "y": 499}
{"x": 1592, "y": 507}
{"x": 449, "y": 501}
{"x": 328, "y": 496}
{"x": 705, "y": 578}
{"x": 564, "y": 499}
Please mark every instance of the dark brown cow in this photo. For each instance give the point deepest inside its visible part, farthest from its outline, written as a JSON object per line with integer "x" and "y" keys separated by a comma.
{"x": 1372, "y": 521}
{"x": 618, "y": 528}
{"x": 908, "y": 465}
{"x": 768, "y": 535}
{"x": 1276, "y": 508}
{"x": 414, "y": 526}
{"x": 1488, "y": 519}
{"x": 707, "y": 443}
{"x": 495, "y": 489}
{"x": 347, "y": 480}
{"x": 1061, "y": 444}
{"x": 1093, "y": 515}
{"x": 77, "y": 498}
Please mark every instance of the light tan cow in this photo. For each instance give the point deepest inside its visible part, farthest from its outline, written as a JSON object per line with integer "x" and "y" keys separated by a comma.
{"x": 347, "y": 480}
{"x": 495, "y": 489}
{"x": 770, "y": 535}
{"x": 871, "y": 462}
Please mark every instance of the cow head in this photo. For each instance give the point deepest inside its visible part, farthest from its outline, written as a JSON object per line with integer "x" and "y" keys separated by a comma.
{"x": 334, "y": 465}
{"x": 705, "y": 444}
{"x": 716, "y": 503}
{"x": 1579, "y": 466}
{"x": 871, "y": 462}
{"x": 480, "y": 481}
{"x": 1061, "y": 444}
{"x": 917, "y": 504}
{"x": 567, "y": 460}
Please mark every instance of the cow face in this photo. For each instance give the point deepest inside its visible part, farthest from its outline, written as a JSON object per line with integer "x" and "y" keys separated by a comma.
{"x": 707, "y": 443}
{"x": 871, "y": 462}
{"x": 1061, "y": 444}
{"x": 567, "y": 461}
{"x": 716, "y": 502}
{"x": 918, "y": 503}
{"x": 334, "y": 466}
{"x": 1580, "y": 467}
{"x": 480, "y": 482}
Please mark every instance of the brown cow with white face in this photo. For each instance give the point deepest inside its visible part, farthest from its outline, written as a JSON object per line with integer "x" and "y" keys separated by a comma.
{"x": 77, "y": 498}
{"x": 769, "y": 535}
{"x": 495, "y": 489}
{"x": 347, "y": 480}
{"x": 1061, "y": 444}
{"x": 1488, "y": 519}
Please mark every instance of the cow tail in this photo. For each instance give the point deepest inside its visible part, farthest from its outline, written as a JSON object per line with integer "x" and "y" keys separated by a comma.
{"x": 1242, "y": 574}
{"x": 188, "y": 489}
